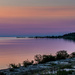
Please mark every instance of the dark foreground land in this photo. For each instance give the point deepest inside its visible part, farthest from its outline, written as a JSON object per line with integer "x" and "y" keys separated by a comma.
{"x": 62, "y": 67}
{"x": 61, "y": 64}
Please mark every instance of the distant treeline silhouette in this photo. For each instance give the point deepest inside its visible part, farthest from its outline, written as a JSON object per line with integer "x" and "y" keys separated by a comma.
{"x": 69, "y": 36}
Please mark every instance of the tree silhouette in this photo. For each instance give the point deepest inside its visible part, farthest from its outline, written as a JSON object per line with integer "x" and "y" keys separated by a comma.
{"x": 72, "y": 55}
{"x": 61, "y": 55}
{"x": 38, "y": 58}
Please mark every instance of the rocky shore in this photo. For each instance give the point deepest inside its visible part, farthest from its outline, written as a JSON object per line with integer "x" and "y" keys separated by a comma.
{"x": 49, "y": 68}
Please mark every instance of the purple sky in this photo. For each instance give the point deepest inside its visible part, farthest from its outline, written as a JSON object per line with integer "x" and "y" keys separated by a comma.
{"x": 35, "y": 17}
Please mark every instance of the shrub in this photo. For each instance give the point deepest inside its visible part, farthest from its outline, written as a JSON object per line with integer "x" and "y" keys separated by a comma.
{"x": 14, "y": 65}
{"x": 61, "y": 55}
{"x": 19, "y": 65}
{"x": 27, "y": 63}
{"x": 44, "y": 58}
{"x": 47, "y": 58}
{"x": 72, "y": 55}
{"x": 38, "y": 58}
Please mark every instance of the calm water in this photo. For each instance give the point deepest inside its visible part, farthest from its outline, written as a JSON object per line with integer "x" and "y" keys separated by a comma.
{"x": 16, "y": 50}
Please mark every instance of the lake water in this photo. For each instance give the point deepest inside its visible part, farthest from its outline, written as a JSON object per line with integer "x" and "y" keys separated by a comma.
{"x": 16, "y": 50}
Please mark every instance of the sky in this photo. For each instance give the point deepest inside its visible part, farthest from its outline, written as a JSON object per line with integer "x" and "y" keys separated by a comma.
{"x": 36, "y": 17}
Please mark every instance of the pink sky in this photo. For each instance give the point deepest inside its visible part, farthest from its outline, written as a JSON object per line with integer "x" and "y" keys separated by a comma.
{"x": 19, "y": 21}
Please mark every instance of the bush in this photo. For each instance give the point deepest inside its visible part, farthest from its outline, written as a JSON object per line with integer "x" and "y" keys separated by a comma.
{"x": 38, "y": 58}
{"x": 72, "y": 55}
{"x": 47, "y": 58}
{"x": 14, "y": 65}
{"x": 44, "y": 58}
{"x": 61, "y": 55}
{"x": 27, "y": 63}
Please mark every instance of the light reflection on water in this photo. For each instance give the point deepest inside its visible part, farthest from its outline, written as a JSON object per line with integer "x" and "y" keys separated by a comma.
{"x": 16, "y": 50}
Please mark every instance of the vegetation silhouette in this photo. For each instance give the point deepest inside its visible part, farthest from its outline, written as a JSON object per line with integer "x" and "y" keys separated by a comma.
{"x": 44, "y": 58}
{"x": 72, "y": 55}
{"x": 69, "y": 36}
{"x": 40, "y": 59}
{"x": 27, "y": 63}
{"x": 14, "y": 65}
{"x": 59, "y": 55}
{"x": 62, "y": 55}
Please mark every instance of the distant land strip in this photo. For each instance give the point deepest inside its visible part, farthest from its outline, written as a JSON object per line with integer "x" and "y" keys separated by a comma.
{"x": 69, "y": 36}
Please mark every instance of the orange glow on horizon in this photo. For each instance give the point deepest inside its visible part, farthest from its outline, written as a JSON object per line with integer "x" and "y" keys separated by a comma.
{"x": 36, "y": 12}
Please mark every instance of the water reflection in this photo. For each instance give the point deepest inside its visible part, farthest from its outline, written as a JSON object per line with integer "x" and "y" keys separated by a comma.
{"x": 16, "y": 50}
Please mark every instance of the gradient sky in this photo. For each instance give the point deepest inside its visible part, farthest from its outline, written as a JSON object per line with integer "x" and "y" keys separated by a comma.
{"x": 36, "y": 17}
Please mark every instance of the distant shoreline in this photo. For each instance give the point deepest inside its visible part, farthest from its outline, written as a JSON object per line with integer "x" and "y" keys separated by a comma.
{"x": 69, "y": 36}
